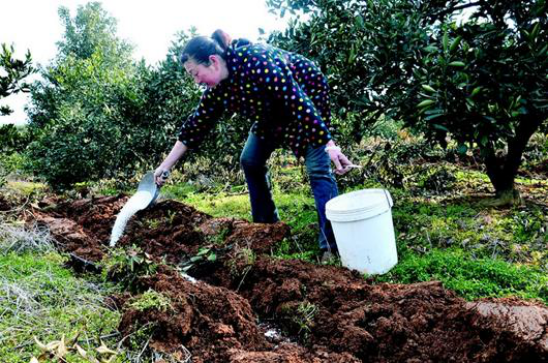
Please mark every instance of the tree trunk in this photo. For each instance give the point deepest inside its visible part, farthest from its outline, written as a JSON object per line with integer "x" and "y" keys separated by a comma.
{"x": 502, "y": 169}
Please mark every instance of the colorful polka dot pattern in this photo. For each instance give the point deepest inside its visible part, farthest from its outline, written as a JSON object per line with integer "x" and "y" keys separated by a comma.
{"x": 284, "y": 94}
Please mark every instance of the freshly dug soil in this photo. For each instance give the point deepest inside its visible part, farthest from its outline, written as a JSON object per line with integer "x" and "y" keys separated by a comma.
{"x": 324, "y": 313}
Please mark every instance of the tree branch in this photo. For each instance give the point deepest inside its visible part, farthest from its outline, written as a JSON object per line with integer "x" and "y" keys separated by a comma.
{"x": 455, "y": 8}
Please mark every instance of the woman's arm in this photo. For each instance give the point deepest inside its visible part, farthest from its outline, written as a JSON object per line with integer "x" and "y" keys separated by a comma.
{"x": 175, "y": 154}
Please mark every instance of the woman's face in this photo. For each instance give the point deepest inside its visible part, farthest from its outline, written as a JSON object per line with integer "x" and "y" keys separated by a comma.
{"x": 210, "y": 75}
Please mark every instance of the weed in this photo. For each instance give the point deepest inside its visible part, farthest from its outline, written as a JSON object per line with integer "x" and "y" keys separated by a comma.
{"x": 304, "y": 318}
{"x": 126, "y": 267}
{"x": 171, "y": 217}
{"x": 219, "y": 238}
{"x": 151, "y": 300}
{"x": 152, "y": 223}
{"x": 26, "y": 189}
{"x": 241, "y": 263}
{"x": 203, "y": 255}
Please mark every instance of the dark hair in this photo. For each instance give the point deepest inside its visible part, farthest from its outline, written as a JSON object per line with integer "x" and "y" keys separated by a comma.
{"x": 199, "y": 49}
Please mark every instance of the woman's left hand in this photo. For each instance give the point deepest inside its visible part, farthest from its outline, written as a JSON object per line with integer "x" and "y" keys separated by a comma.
{"x": 342, "y": 164}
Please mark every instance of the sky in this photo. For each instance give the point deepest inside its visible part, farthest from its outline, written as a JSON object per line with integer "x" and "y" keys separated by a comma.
{"x": 149, "y": 25}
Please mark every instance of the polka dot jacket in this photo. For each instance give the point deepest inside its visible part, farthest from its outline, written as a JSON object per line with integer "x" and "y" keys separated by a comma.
{"x": 284, "y": 94}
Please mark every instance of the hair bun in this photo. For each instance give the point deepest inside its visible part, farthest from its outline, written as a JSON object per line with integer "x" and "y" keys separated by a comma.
{"x": 221, "y": 38}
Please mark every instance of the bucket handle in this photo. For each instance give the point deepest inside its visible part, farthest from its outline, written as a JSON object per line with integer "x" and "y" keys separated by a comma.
{"x": 388, "y": 198}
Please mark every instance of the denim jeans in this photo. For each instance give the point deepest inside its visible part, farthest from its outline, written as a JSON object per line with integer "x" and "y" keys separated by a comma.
{"x": 253, "y": 159}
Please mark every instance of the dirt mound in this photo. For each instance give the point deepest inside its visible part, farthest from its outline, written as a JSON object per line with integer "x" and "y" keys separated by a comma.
{"x": 82, "y": 227}
{"x": 214, "y": 323}
{"x": 325, "y": 313}
{"x": 389, "y": 322}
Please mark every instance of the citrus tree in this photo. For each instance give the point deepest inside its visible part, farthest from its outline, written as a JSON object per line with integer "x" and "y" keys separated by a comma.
{"x": 12, "y": 73}
{"x": 97, "y": 113}
{"x": 474, "y": 70}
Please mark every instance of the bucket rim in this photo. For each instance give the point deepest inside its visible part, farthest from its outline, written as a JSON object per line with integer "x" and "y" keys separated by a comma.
{"x": 378, "y": 207}
{"x": 383, "y": 203}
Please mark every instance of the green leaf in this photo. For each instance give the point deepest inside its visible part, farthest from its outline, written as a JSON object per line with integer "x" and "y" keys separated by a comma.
{"x": 535, "y": 31}
{"x": 202, "y": 251}
{"x": 426, "y": 103}
{"x": 470, "y": 102}
{"x": 455, "y": 44}
{"x": 475, "y": 91}
{"x": 445, "y": 41}
{"x": 359, "y": 21}
{"x": 440, "y": 127}
{"x": 352, "y": 55}
{"x": 428, "y": 88}
{"x": 462, "y": 149}
{"x": 457, "y": 64}
{"x": 433, "y": 116}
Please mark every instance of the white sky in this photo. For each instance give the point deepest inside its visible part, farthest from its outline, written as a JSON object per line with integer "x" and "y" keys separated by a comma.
{"x": 149, "y": 25}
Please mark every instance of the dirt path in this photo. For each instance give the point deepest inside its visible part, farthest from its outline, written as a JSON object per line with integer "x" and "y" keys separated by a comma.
{"x": 243, "y": 298}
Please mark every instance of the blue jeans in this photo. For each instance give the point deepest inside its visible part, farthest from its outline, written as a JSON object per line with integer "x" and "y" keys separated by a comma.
{"x": 253, "y": 159}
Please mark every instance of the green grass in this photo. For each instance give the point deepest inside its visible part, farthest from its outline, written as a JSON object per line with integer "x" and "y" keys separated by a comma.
{"x": 296, "y": 208}
{"x": 471, "y": 278}
{"x": 24, "y": 188}
{"x": 515, "y": 235}
{"x": 474, "y": 250}
{"x": 40, "y": 298}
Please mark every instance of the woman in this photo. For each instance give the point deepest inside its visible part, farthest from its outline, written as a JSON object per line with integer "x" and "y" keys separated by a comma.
{"x": 286, "y": 96}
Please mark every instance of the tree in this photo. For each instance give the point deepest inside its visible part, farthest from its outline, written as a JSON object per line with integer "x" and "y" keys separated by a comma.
{"x": 99, "y": 114}
{"x": 480, "y": 79}
{"x": 84, "y": 112}
{"x": 92, "y": 31}
{"x": 12, "y": 72}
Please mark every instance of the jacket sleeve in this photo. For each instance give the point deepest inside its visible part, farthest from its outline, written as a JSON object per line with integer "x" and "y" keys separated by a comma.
{"x": 273, "y": 75}
{"x": 200, "y": 123}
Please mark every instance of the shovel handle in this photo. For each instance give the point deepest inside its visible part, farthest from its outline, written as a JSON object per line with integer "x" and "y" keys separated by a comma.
{"x": 165, "y": 175}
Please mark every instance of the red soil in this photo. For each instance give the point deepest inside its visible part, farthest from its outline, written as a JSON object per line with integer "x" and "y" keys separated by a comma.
{"x": 326, "y": 313}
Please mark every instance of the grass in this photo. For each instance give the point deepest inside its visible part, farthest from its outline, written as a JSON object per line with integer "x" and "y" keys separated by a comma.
{"x": 17, "y": 239}
{"x": 472, "y": 278}
{"x": 43, "y": 302}
{"x": 40, "y": 298}
{"x": 442, "y": 235}
{"x": 296, "y": 208}
{"x": 150, "y": 300}
{"x": 474, "y": 250}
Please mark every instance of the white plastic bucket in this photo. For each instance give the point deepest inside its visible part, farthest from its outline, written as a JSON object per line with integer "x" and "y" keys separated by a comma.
{"x": 362, "y": 223}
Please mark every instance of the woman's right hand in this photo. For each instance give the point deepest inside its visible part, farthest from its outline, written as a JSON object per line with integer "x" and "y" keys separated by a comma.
{"x": 162, "y": 172}
{"x": 160, "y": 175}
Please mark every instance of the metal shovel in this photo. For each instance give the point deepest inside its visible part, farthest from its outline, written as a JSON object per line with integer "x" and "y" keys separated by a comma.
{"x": 147, "y": 192}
